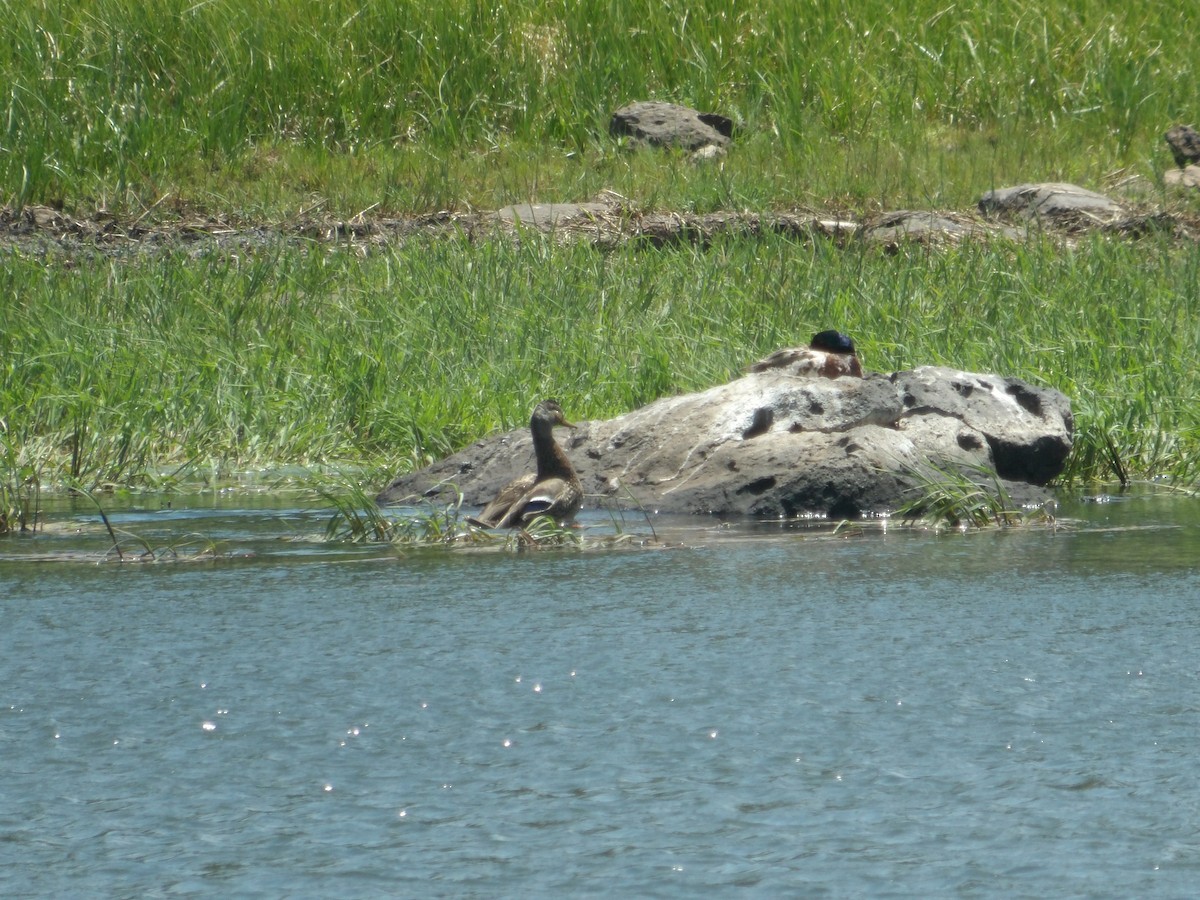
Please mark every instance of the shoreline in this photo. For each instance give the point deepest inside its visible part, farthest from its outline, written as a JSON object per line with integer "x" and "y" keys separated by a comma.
{"x": 609, "y": 222}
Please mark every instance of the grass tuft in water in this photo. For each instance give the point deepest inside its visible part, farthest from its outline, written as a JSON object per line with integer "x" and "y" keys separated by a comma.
{"x": 946, "y": 498}
{"x": 429, "y": 522}
{"x": 128, "y": 546}
{"x": 358, "y": 519}
{"x": 424, "y": 522}
{"x": 20, "y": 486}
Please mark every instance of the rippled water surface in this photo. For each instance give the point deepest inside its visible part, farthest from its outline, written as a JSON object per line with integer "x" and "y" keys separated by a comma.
{"x": 762, "y": 710}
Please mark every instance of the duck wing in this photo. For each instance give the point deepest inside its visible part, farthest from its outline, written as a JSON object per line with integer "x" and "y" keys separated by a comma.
{"x": 781, "y": 359}
{"x": 503, "y": 503}
{"x": 807, "y": 361}
{"x": 557, "y": 497}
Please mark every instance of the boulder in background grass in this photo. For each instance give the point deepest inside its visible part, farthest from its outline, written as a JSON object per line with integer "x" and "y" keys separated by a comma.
{"x": 1058, "y": 202}
{"x": 1184, "y": 142}
{"x": 656, "y": 124}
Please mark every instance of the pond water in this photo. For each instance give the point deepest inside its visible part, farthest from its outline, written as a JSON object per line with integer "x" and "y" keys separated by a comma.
{"x": 784, "y": 711}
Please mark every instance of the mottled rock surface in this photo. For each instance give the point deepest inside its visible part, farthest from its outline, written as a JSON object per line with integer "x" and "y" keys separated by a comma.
{"x": 1050, "y": 200}
{"x": 657, "y": 124}
{"x": 921, "y": 226}
{"x": 546, "y": 216}
{"x": 772, "y": 444}
{"x": 1184, "y": 142}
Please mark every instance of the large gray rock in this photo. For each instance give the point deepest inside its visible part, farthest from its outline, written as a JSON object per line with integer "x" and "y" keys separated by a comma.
{"x": 773, "y": 444}
{"x": 1053, "y": 200}
{"x": 653, "y": 123}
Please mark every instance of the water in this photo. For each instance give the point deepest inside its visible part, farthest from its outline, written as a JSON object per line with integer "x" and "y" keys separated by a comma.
{"x": 764, "y": 711}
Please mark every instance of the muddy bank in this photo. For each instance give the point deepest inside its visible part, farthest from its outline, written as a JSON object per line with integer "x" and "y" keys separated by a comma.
{"x": 608, "y": 221}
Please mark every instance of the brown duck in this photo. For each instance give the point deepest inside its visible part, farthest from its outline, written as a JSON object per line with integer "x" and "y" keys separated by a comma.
{"x": 553, "y": 490}
{"x": 830, "y": 354}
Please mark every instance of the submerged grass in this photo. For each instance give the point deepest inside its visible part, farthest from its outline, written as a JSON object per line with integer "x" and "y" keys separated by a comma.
{"x": 432, "y": 523}
{"x": 955, "y": 499}
{"x": 135, "y": 371}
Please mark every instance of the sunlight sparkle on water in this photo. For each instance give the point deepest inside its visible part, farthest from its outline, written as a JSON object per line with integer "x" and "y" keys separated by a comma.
{"x": 628, "y": 778}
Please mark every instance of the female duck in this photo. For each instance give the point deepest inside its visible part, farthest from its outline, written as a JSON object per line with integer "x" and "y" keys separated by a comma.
{"x": 830, "y": 355}
{"x": 553, "y": 490}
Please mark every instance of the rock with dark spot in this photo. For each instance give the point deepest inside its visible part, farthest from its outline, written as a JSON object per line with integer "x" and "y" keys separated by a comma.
{"x": 1184, "y": 142}
{"x": 760, "y": 424}
{"x": 657, "y": 124}
{"x": 1026, "y": 430}
{"x": 772, "y": 444}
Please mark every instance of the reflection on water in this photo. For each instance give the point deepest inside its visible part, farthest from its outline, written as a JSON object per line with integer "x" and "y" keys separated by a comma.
{"x": 781, "y": 709}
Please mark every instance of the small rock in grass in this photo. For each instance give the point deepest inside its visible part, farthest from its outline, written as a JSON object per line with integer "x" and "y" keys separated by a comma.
{"x": 657, "y": 124}
{"x": 1189, "y": 177}
{"x": 1184, "y": 141}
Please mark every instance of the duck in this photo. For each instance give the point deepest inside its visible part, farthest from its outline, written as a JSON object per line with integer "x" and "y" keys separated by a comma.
{"x": 553, "y": 490}
{"x": 830, "y": 354}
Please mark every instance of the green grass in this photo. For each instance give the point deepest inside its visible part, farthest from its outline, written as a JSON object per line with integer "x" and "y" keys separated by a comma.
{"x": 270, "y": 108}
{"x": 135, "y": 370}
{"x": 126, "y": 371}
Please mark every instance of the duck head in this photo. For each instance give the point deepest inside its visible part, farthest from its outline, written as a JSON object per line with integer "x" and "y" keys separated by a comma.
{"x": 832, "y": 342}
{"x": 547, "y": 414}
